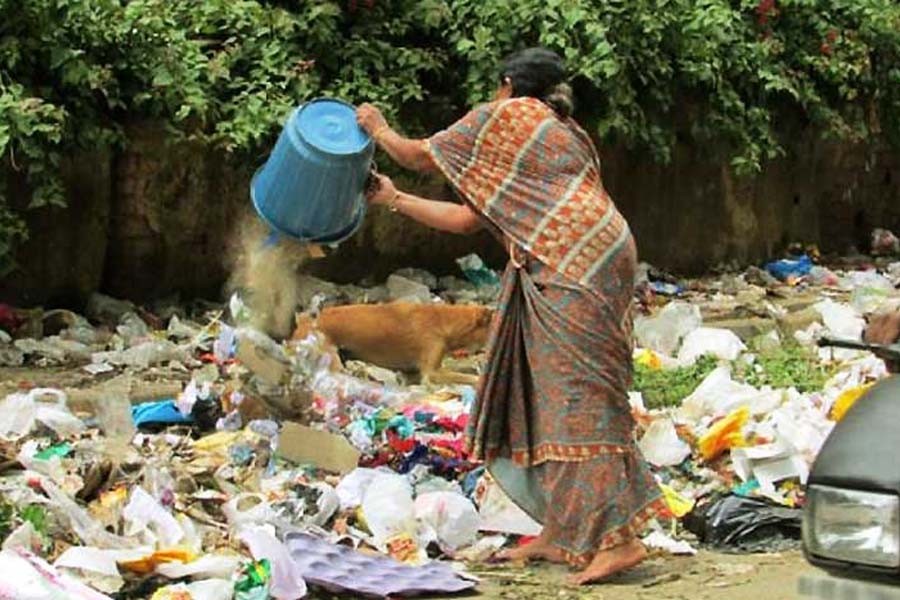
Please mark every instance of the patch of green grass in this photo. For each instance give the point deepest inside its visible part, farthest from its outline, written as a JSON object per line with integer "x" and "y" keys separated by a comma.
{"x": 788, "y": 365}
{"x": 37, "y": 516}
{"x": 663, "y": 388}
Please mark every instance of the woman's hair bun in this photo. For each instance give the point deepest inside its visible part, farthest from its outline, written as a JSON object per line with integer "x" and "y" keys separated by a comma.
{"x": 560, "y": 99}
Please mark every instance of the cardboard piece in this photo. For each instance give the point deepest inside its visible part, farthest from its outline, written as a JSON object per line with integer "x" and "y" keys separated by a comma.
{"x": 305, "y": 445}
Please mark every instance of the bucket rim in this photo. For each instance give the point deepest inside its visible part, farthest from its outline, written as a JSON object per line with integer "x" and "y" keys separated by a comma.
{"x": 296, "y": 114}
{"x": 328, "y": 238}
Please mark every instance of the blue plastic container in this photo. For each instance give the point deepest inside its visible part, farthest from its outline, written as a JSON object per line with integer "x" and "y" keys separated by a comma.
{"x": 312, "y": 185}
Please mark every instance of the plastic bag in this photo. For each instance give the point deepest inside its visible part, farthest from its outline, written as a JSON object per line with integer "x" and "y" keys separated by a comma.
{"x": 719, "y": 394}
{"x": 664, "y": 332}
{"x": 407, "y": 290}
{"x": 143, "y": 511}
{"x": 90, "y": 531}
{"x": 451, "y": 517}
{"x": 499, "y": 514}
{"x": 661, "y": 445}
{"x": 248, "y": 509}
{"x": 287, "y": 581}
{"x": 790, "y": 268}
{"x": 352, "y": 488}
{"x": 743, "y": 522}
{"x": 388, "y": 507}
{"x": 19, "y": 412}
{"x": 725, "y": 434}
{"x": 841, "y": 320}
{"x": 35, "y": 579}
{"x": 720, "y": 343}
{"x": 476, "y": 271}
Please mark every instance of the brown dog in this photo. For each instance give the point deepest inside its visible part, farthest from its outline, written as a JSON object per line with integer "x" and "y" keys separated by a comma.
{"x": 403, "y": 335}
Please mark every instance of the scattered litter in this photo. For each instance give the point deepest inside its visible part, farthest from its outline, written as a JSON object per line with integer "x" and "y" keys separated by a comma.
{"x": 343, "y": 570}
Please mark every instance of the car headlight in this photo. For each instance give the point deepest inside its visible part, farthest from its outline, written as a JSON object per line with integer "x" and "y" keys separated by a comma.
{"x": 852, "y": 526}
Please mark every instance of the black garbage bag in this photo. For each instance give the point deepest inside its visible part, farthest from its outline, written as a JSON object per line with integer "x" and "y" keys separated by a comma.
{"x": 743, "y": 523}
{"x": 206, "y": 412}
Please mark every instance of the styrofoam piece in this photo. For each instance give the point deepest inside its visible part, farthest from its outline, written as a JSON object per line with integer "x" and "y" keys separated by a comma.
{"x": 341, "y": 569}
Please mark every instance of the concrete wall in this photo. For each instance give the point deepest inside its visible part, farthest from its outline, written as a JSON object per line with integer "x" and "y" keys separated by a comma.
{"x": 157, "y": 218}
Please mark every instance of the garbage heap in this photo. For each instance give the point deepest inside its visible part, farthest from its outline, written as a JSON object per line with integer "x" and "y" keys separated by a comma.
{"x": 173, "y": 453}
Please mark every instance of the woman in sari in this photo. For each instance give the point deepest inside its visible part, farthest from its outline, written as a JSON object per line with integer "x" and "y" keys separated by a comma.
{"x": 552, "y": 421}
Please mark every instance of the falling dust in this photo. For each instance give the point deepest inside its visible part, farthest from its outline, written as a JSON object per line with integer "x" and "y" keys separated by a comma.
{"x": 265, "y": 275}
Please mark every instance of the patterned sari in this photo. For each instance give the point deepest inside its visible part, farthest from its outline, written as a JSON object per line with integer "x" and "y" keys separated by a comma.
{"x": 552, "y": 420}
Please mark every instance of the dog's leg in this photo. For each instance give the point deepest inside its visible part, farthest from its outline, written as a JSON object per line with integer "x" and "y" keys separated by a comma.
{"x": 430, "y": 362}
{"x": 445, "y": 376}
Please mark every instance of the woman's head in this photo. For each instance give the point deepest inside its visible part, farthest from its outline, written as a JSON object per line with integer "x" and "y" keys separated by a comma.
{"x": 538, "y": 73}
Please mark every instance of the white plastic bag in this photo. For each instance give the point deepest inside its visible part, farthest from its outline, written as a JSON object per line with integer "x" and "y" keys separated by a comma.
{"x": 352, "y": 488}
{"x": 719, "y": 394}
{"x": 841, "y": 320}
{"x": 29, "y": 577}
{"x": 388, "y": 507}
{"x": 143, "y": 511}
{"x": 720, "y": 343}
{"x": 664, "y": 332}
{"x": 661, "y": 445}
{"x": 450, "y": 517}
{"x": 287, "y": 580}
{"x": 248, "y": 509}
{"x": 20, "y": 412}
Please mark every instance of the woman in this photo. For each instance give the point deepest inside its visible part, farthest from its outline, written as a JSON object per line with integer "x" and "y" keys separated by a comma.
{"x": 552, "y": 420}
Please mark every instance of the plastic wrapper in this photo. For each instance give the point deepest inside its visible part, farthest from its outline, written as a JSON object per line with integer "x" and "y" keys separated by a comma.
{"x": 725, "y": 434}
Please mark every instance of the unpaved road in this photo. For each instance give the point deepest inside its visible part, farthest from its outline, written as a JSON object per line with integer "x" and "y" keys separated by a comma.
{"x": 707, "y": 576}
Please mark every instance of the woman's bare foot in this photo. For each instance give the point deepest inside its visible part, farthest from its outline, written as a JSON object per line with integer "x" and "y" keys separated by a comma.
{"x": 538, "y": 549}
{"x": 612, "y": 561}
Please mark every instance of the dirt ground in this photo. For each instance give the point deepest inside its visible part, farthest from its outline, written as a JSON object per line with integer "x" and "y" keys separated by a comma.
{"x": 707, "y": 576}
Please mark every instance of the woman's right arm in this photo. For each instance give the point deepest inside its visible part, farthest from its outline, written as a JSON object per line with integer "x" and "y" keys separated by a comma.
{"x": 408, "y": 153}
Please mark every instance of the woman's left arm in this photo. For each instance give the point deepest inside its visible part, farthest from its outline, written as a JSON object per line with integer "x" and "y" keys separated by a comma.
{"x": 408, "y": 153}
{"x": 446, "y": 216}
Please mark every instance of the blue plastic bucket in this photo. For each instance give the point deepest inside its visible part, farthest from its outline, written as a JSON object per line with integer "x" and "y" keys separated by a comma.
{"x": 312, "y": 185}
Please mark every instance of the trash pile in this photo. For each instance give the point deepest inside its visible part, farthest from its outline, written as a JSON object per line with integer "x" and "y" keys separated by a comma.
{"x": 185, "y": 454}
{"x": 734, "y": 398}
